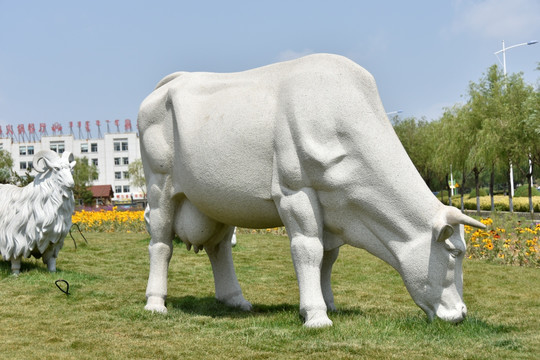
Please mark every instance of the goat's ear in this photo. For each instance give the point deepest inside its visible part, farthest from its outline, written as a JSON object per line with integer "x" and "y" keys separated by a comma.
{"x": 72, "y": 164}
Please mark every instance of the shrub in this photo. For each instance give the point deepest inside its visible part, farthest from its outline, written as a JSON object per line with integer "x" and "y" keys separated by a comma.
{"x": 523, "y": 191}
{"x": 482, "y": 192}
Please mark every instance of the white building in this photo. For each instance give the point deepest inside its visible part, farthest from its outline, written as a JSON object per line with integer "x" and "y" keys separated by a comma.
{"x": 111, "y": 153}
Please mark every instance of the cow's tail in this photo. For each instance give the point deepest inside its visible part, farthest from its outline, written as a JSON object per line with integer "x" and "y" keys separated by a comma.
{"x": 168, "y": 78}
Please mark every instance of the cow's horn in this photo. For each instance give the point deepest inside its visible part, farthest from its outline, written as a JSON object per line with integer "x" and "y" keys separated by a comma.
{"x": 455, "y": 217}
{"x": 43, "y": 159}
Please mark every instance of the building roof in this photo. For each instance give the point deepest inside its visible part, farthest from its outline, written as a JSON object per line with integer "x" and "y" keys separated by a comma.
{"x": 102, "y": 191}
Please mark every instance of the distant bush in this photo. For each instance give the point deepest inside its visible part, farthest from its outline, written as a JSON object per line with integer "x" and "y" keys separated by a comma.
{"x": 483, "y": 192}
{"x": 523, "y": 191}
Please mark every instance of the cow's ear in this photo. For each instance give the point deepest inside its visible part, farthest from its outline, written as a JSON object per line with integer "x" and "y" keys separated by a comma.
{"x": 445, "y": 232}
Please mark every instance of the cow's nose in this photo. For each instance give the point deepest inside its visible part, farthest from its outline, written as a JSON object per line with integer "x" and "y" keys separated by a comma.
{"x": 463, "y": 311}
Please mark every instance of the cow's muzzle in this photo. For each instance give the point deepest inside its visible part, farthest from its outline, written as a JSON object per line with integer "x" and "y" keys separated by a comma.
{"x": 455, "y": 315}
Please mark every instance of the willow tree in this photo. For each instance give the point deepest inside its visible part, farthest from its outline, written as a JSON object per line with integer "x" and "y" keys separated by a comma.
{"x": 419, "y": 142}
{"x": 519, "y": 110}
{"x": 456, "y": 142}
{"x": 485, "y": 109}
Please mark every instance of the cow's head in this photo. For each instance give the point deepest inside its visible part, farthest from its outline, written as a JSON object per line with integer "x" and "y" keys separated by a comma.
{"x": 432, "y": 268}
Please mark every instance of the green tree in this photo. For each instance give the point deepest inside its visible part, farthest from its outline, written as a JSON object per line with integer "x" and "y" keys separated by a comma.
{"x": 83, "y": 176}
{"x": 485, "y": 108}
{"x": 136, "y": 175}
{"x": 518, "y": 139}
{"x": 413, "y": 137}
{"x": 6, "y": 164}
{"x": 457, "y": 140}
{"x": 24, "y": 180}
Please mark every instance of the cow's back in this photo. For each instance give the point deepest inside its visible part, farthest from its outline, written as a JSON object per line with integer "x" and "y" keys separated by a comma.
{"x": 223, "y": 129}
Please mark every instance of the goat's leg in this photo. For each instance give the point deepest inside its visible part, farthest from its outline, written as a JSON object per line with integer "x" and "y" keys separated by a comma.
{"x": 16, "y": 266}
{"x": 226, "y": 283}
{"x": 49, "y": 259}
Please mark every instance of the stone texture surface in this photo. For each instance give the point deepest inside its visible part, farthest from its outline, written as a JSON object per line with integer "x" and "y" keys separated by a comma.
{"x": 306, "y": 144}
{"x": 35, "y": 219}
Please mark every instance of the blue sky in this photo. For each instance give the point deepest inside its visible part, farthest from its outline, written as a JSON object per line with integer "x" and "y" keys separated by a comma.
{"x": 64, "y": 61}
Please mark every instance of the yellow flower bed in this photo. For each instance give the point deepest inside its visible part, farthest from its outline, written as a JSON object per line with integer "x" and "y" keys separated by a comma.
{"x": 516, "y": 245}
{"x": 521, "y": 204}
{"x": 110, "y": 221}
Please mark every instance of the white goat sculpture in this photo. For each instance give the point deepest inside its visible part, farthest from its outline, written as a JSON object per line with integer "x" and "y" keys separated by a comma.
{"x": 35, "y": 219}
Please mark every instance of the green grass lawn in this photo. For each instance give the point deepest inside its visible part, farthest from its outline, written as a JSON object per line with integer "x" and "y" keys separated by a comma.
{"x": 103, "y": 318}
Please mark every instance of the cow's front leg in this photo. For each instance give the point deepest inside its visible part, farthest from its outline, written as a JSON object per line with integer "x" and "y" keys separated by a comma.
{"x": 307, "y": 254}
{"x": 329, "y": 258}
{"x": 226, "y": 283}
{"x": 302, "y": 217}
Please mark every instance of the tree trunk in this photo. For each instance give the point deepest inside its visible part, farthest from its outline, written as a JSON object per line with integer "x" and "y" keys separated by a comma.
{"x": 477, "y": 185}
{"x": 510, "y": 200}
{"x": 529, "y": 181}
{"x": 491, "y": 186}
{"x": 462, "y": 191}
{"x": 449, "y": 191}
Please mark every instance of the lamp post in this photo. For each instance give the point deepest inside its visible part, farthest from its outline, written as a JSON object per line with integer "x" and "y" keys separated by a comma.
{"x": 503, "y": 51}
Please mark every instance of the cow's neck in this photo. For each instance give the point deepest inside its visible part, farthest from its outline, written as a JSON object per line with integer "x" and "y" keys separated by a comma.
{"x": 386, "y": 207}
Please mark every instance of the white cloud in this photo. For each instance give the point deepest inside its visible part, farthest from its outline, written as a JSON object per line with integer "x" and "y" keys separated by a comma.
{"x": 292, "y": 54}
{"x": 497, "y": 19}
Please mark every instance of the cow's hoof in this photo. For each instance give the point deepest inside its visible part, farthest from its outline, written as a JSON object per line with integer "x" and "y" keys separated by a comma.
{"x": 245, "y": 305}
{"x": 156, "y": 304}
{"x": 238, "y": 302}
{"x": 331, "y": 307}
{"x": 317, "y": 319}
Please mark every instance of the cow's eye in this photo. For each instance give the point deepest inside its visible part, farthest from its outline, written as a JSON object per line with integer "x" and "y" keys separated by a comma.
{"x": 455, "y": 253}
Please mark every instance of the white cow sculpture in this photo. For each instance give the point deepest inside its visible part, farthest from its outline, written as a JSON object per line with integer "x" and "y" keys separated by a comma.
{"x": 306, "y": 144}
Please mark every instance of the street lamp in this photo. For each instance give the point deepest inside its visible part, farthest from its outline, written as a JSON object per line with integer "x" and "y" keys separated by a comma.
{"x": 503, "y": 51}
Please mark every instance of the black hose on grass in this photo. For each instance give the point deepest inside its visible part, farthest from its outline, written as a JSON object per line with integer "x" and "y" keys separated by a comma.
{"x": 78, "y": 227}
{"x": 66, "y": 291}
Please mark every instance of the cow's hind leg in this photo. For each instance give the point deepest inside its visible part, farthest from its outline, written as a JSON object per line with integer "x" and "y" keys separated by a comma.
{"x": 302, "y": 217}
{"x": 226, "y": 283}
{"x": 198, "y": 230}
{"x": 329, "y": 258}
{"x": 159, "y": 217}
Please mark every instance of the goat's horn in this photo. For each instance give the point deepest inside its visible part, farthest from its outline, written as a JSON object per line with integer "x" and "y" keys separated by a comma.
{"x": 68, "y": 156}
{"x": 454, "y": 217}
{"x": 42, "y": 159}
